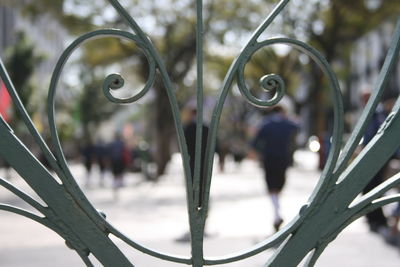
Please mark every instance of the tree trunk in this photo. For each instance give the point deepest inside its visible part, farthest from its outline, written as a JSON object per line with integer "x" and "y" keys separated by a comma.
{"x": 164, "y": 129}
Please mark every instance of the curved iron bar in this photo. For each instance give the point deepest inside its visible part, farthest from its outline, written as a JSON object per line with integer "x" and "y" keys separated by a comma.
{"x": 354, "y": 214}
{"x": 197, "y": 211}
{"x": 110, "y": 83}
{"x": 333, "y": 215}
{"x": 379, "y": 203}
{"x": 376, "y": 193}
{"x": 151, "y": 252}
{"x": 366, "y": 203}
{"x": 107, "y": 85}
{"x": 351, "y": 217}
{"x": 196, "y": 216}
{"x": 250, "y": 48}
{"x": 313, "y": 257}
{"x": 382, "y": 140}
{"x": 268, "y": 82}
{"x": 115, "y": 81}
{"x": 330, "y": 185}
{"x": 65, "y": 211}
{"x": 22, "y": 195}
{"x": 45, "y": 211}
{"x": 326, "y": 180}
{"x": 227, "y": 84}
{"x": 268, "y": 243}
{"x": 65, "y": 174}
{"x": 50, "y": 225}
{"x": 382, "y": 81}
{"x": 49, "y": 156}
{"x": 85, "y": 258}
{"x": 169, "y": 89}
{"x": 28, "y": 215}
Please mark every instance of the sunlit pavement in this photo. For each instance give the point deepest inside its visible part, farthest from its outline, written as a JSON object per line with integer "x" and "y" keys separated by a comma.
{"x": 154, "y": 214}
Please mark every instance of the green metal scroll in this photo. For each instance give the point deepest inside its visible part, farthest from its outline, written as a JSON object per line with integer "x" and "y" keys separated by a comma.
{"x": 329, "y": 210}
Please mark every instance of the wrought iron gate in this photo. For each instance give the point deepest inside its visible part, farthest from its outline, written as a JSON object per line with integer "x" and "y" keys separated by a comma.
{"x": 330, "y": 209}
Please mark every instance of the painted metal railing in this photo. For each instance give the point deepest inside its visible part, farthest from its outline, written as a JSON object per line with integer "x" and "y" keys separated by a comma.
{"x": 331, "y": 207}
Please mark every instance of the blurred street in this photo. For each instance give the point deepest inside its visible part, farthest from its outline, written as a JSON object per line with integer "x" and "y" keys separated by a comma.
{"x": 154, "y": 214}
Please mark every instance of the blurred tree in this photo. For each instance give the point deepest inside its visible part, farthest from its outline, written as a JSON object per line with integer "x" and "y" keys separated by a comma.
{"x": 20, "y": 63}
{"x": 92, "y": 108}
{"x": 330, "y": 26}
{"x": 171, "y": 26}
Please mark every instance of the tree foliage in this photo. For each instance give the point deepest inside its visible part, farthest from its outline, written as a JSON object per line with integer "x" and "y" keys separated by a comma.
{"x": 21, "y": 61}
{"x": 330, "y": 26}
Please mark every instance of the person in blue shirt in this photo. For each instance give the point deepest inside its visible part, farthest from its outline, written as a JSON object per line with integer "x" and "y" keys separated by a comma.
{"x": 273, "y": 145}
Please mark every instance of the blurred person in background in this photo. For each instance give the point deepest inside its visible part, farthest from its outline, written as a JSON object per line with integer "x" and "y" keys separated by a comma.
{"x": 273, "y": 145}
{"x": 100, "y": 151}
{"x": 88, "y": 154}
{"x": 119, "y": 156}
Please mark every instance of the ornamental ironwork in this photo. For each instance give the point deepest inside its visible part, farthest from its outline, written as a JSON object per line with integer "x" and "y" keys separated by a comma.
{"x": 331, "y": 207}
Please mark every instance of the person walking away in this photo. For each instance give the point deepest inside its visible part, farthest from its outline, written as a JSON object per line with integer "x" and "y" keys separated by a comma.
{"x": 118, "y": 160}
{"x": 101, "y": 159}
{"x": 272, "y": 145}
{"x": 87, "y": 152}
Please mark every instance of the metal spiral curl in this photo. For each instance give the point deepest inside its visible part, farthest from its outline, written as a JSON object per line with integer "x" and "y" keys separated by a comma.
{"x": 273, "y": 82}
{"x": 115, "y": 81}
{"x": 269, "y": 82}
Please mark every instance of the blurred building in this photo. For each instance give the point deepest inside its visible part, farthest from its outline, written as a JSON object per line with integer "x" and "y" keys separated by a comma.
{"x": 46, "y": 34}
{"x": 7, "y": 28}
{"x": 48, "y": 39}
{"x": 367, "y": 58}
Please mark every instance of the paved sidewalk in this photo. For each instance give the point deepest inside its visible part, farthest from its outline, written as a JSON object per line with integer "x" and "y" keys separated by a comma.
{"x": 154, "y": 214}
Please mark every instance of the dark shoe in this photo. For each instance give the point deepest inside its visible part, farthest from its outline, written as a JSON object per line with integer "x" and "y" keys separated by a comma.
{"x": 278, "y": 224}
{"x": 185, "y": 238}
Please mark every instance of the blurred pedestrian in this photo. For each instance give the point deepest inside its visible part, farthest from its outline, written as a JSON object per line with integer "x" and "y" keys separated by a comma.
{"x": 88, "y": 154}
{"x": 221, "y": 150}
{"x": 100, "y": 151}
{"x": 273, "y": 146}
{"x": 119, "y": 157}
